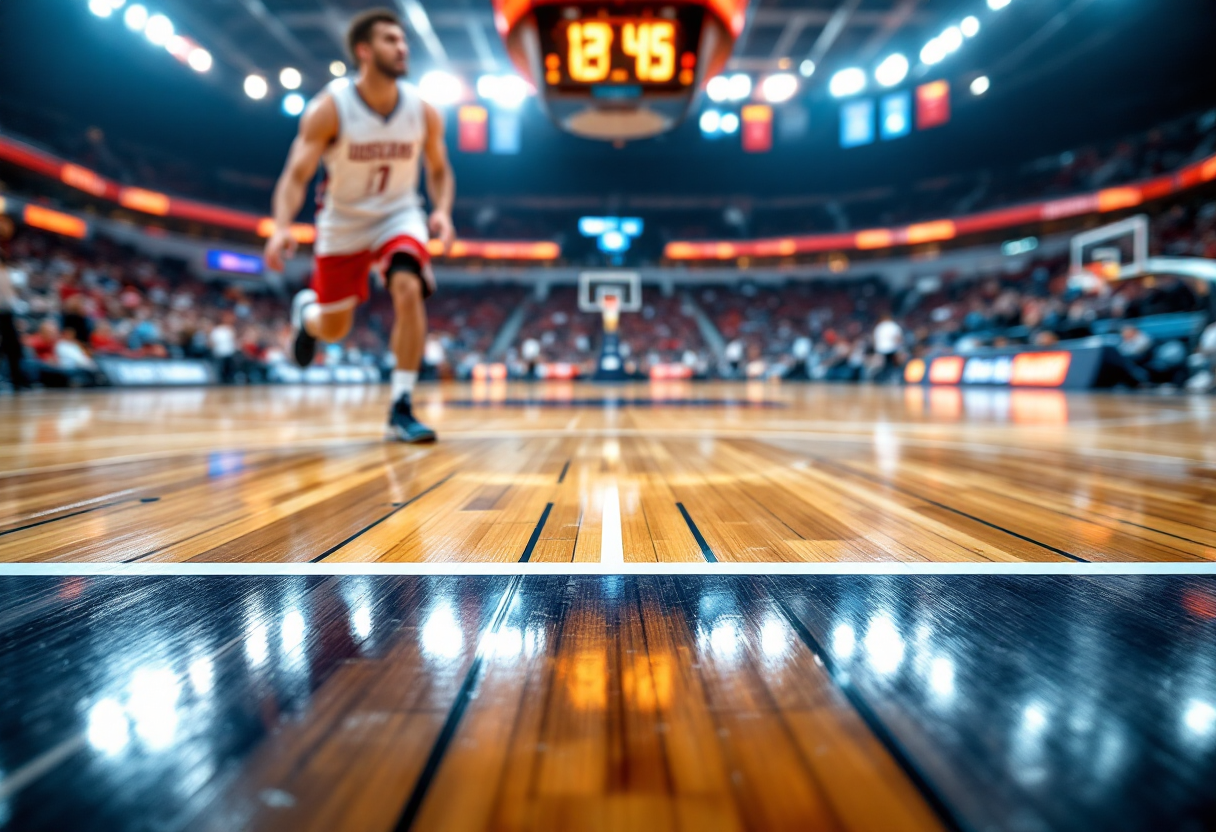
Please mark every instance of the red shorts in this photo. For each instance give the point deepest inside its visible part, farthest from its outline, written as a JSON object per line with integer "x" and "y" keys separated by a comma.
{"x": 341, "y": 276}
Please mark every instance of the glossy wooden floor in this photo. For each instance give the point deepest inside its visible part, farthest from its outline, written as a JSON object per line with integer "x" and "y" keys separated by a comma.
{"x": 668, "y": 473}
{"x": 608, "y": 703}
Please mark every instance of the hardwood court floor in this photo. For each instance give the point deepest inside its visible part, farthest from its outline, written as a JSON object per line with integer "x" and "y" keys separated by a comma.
{"x": 667, "y": 473}
{"x": 608, "y": 703}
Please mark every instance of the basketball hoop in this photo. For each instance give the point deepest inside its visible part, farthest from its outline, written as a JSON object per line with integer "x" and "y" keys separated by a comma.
{"x": 611, "y": 306}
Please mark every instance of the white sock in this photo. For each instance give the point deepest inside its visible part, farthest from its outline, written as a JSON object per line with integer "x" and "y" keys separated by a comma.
{"x": 403, "y": 383}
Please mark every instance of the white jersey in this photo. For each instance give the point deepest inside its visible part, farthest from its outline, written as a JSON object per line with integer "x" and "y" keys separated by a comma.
{"x": 370, "y": 193}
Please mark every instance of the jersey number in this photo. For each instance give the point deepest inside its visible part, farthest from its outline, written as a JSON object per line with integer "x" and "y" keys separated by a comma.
{"x": 378, "y": 183}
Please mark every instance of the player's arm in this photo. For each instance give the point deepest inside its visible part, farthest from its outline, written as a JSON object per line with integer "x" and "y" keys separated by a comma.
{"x": 318, "y": 128}
{"x": 440, "y": 180}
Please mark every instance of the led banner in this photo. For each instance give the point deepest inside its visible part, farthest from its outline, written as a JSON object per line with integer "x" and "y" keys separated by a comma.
{"x": 147, "y": 372}
{"x": 472, "y": 135}
{"x": 157, "y": 204}
{"x": 1110, "y": 199}
{"x": 857, "y": 123}
{"x": 1072, "y": 369}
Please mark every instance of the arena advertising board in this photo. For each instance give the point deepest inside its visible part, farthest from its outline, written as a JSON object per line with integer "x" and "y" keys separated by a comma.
{"x": 1068, "y": 369}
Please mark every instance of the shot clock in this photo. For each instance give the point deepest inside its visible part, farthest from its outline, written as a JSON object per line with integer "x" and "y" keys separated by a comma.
{"x": 619, "y": 70}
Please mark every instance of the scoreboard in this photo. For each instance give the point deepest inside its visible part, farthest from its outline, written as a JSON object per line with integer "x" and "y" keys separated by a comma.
{"x": 619, "y": 70}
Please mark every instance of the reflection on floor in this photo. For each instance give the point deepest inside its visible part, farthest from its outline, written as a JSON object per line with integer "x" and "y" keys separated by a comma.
{"x": 850, "y": 703}
{"x": 641, "y": 473}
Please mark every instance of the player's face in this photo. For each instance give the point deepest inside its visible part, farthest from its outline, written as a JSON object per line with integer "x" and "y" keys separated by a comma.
{"x": 390, "y": 52}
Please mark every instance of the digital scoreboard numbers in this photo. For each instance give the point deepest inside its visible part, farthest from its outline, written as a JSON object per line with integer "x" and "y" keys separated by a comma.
{"x": 584, "y": 49}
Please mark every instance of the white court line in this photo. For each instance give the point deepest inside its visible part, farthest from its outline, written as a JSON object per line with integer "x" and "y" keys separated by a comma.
{"x": 440, "y": 569}
{"x": 612, "y": 547}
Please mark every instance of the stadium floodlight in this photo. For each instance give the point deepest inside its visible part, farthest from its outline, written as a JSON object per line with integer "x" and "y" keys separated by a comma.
{"x": 179, "y": 47}
{"x": 893, "y": 70}
{"x": 337, "y": 69}
{"x": 256, "y": 87}
{"x": 970, "y": 25}
{"x": 807, "y": 68}
{"x": 718, "y": 89}
{"x": 440, "y": 89}
{"x": 997, "y": 5}
{"x": 290, "y": 78}
{"x": 136, "y": 18}
{"x": 980, "y": 85}
{"x": 101, "y": 8}
{"x": 778, "y": 88}
{"x": 847, "y": 82}
{"x": 711, "y": 121}
{"x": 506, "y": 91}
{"x": 739, "y": 86}
{"x": 200, "y": 59}
{"x": 951, "y": 39}
{"x": 729, "y": 124}
{"x": 933, "y": 53}
{"x": 293, "y": 104}
{"x": 158, "y": 30}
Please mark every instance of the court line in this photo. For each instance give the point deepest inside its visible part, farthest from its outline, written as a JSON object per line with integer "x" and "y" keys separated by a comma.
{"x": 509, "y": 568}
{"x": 565, "y": 470}
{"x": 78, "y": 513}
{"x": 888, "y": 484}
{"x": 40, "y": 765}
{"x": 472, "y": 678}
{"x": 706, "y": 552}
{"x": 612, "y": 546}
{"x": 941, "y": 807}
{"x": 535, "y": 538}
{"x": 373, "y": 525}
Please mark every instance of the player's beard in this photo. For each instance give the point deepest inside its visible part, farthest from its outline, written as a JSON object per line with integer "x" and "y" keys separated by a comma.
{"x": 390, "y": 70}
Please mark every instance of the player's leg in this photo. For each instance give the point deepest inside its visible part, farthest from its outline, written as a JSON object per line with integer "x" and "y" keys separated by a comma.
{"x": 326, "y": 310}
{"x": 409, "y": 289}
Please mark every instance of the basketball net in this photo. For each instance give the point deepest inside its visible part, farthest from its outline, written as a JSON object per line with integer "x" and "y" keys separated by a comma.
{"x": 611, "y": 307}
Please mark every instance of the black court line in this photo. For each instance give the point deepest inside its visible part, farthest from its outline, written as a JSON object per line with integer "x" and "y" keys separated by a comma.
{"x": 396, "y": 508}
{"x": 948, "y": 815}
{"x": 422, "y": 785}
{"x": 706, "y": 552}
{"x": 535, "y": 538}
{"x": 952, "y": 509}
{"x": 78, "y": 513}
{"x": 565, "y": 470}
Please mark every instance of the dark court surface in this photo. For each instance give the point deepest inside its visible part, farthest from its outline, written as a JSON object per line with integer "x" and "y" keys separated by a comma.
{"x": 1003, "y": 703}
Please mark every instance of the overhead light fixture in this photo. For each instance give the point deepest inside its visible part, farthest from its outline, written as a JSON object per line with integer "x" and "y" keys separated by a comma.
{"x": 293, "y": 104}
{"x": 933, "y": 53}
{"x": 256, "y": 87}
{"x": 101, "y": 8}
{"x": 970, "y": 26}
{"x": 807, "y": 68}
{"x": 778, "y": 88}
{"x": 729, "y": 124}
{"x": 893, "y": 70}
{"x": 951, "y": 39}
{"x": 337, "y": 69}
{"x": 507, "y": 91}
{"x": 290, "y": 78}
{"x": 980, "y": 85}
{"x": 847, "y": 82}
{"x": 718, "y": 89}
{"x": 158, "y": 30}
{"x": 440, "y": 89}
{"x": 740, "y": 86}
{"x": 997, "y": 5}
{"x": 710, "y": 121}
{"x": 200, "y": 60}
{"x": 136, "y": 18}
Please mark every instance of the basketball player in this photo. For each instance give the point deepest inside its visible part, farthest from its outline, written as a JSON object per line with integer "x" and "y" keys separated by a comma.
{"x": 372, "y": 134}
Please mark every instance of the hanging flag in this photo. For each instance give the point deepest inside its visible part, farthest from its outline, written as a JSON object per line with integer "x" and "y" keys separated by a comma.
{"x": 471, "y": 134}
{"x": 505, "y": 132}
{"x": 895, "y": 119}
{"x": 932, "y": 105}
{"x": 857, "y": 123}
{"x": 757, "y": 128}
